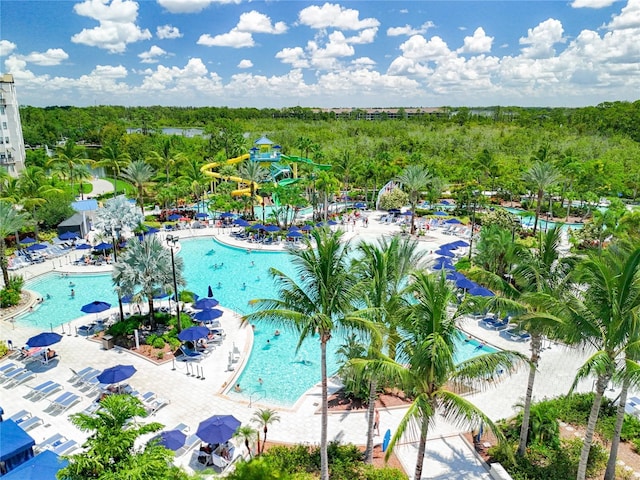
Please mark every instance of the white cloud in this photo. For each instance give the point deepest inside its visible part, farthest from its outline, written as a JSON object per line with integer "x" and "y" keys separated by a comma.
{"x": 592, "y": 3}
{"x": 117, "y": 24}
{"x": 256, "y": 22}
{"x": 168, "y": 32}
{"x": 629, "y": 16}
{"x": 6, "y": 47}
{"x": 245, "y": 63}
{"x": 53, "y": 56}
{"x": 293, "y": 56}
{"x": 190, "y": 6}
{"x": 365, "y": 36}
{"x": 364, "y": 62}
{"x": 542, "y": 38}
{"x": 407, "y": 30}
{"x": 152, "y": 55}
{"x": 333, "y": 15}
{"x": 478, "y": 43}
{"x": 233, "y": 39}
{"x": 418, "y": 48}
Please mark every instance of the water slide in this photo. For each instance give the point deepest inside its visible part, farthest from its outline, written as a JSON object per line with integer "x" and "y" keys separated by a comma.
{"x": 292, "y": 158}
{"x": 207, "y": 170}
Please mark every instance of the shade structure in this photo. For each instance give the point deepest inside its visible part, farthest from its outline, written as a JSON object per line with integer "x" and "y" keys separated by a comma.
{"x": 44, "y": 339}
{"x": 306, "y": 228}
{"x": 36, "y": 246}
{"x": 294, "y": 228}
{"x": 481, "y": 292}
{"x": 172, "y": 439}
{"x": 16, "y": 446}
{"x": 28, "y": 240}
{"x": 202, "y": 215}
{"x": 332, "y": 223}
{"x": 206, "y": 303}
{"x": 192, "y": 334}
{"x": 443, "y": 266}
{"x": 226, "y": 215}
{"x": 116, "y": 374}
{"x": 445, "y": 202}
{"x": 103, "y": 246}
{"x": 68, "y": 236}
{"x": 257, "y": 226}
{"x": 122, "y": 245}
{"x": 271, "y": 228}
{"x": 217, "y": 429}
{"x": 241, "y": 222}
{"x": 443, "y": 252}
{"x": 44, "y": 466}
{"x": 360, "y": 205}
{"x": 151, "y": 230}
{"x": 158, "y": 294}
{"x": 440, "y": 213}
{"x": 173, "y": 217}
{"x": 208, "y": 315}
{"x": 295, "y": 234}
{"x": 465, "y": 283}
{"x": 408, "y": 213}
{"x": 83, "y": 246}
{"x": 442, "y": 260}
{"x": 394, "y": 210}
{"x": 95, "y": 307}
{"x": 127, "y": 299}
{"x": 452, "y": 275}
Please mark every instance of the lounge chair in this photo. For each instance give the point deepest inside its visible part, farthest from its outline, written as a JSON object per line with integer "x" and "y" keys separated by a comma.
{"x": 39, "y": 388}
{"x": 78, "y": 376}
{"x": 24, "y": 376}
{"x": 87, "y": 330}
{"x": 63, "y": 402}
{"x": 65, "y": 448}
{"x": 190, "y": 442}
{"x": 51, "y": 442}
{"x": 495, "y": 323}
{"x": 20, "y": 416}
{"x": 6, "y": 369}
{"x": 518, "y": 335}
{"x": 235, "y": 354}
{"x": 31, "y": 423}
{"x": 187, "y": 355}
{"x": 154, "y": 405}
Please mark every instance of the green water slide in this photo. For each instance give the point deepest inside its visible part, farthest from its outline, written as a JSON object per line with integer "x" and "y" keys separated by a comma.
{"x": 293, "y": 158}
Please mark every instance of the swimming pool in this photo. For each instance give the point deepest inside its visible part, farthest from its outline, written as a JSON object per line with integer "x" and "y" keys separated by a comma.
{"x": 527, "y": 220}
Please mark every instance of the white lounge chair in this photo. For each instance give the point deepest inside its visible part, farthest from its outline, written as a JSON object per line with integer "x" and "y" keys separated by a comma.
{"x": 30, "y": 423}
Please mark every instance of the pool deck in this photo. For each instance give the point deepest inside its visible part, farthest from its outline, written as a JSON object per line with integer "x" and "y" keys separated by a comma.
{"x": 193, "y": 399}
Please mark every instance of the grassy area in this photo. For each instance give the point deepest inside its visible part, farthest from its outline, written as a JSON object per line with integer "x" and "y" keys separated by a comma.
{"x": 121, "y": 186}
{"x": 86, "y": 188}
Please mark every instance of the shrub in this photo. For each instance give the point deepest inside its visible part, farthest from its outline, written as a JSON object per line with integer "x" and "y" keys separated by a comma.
{"x": 150, "y": 339}
{"x": 631, "y": 429}
{"x": 9, "y": 297}
{"x": 636, "y": 444}
{"x": 158, "y": 343}
{"x": 16, "y": 282}
{"x": 125, "y": 327}
{"x": 4, "y": 348}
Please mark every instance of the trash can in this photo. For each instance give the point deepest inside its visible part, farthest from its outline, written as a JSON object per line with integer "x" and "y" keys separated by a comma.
{"x": 107, "y": 342}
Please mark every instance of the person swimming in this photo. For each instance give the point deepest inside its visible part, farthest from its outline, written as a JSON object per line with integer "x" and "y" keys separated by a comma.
{"x": 219, "y": 285}
{"x": 71, "y": 284}
{"x": 73, "y": 293}
{"x": 244, "y": 286}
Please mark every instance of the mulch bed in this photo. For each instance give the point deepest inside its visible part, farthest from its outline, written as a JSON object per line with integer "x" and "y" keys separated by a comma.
{"x": 340, "y": 402}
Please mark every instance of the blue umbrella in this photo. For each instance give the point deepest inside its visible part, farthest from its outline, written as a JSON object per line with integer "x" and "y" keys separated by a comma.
{"x": 386, "y": 440}
{"x": 83, "y": 246}
{"x": 192, "y": 334}
{"x": 293, "y": 228}
{"x": 332, "y": 223}
{"x": 206, "y": 303}
{"x": 272, "y": 228}
{"x": 44, "y": 339}
{"x": 37, "y": 246}
{"x": 103, "y": 246}
{"x": 481, "y": 292}
{"x": 440, "y": 213}
{"x": 360, "y": 205}
{"x": 201, "y": 215}
{"x": 443, "y": 266}
{"x": 295, "y": 234}
{"x": 116, "y": 374}
{"x": 28, "y": 240}
{"x": 394, "y": 210}
{"x": 209, "y": 314}
{"x": 226, "y": 215}
{"x": 217, "y": 429}
{"x": 319, "y": 224}
{"x": 241, "y": 222}
{"x": 158, "y": 294}
{"x": 444, "y": 252}
{"x": 442, "y": 261}
{"x": 209, "y": 292}
{"x": 465, "y": 283}
{"x": 408, "y": 213}
{"x": 453, "y": 221}
{"x": 68, "y": 236}
{"x": 127, "y": 299}
{"x": 122, "y": 245}
{"x": 257, "y": 226}
{"x": 306, "y": 228}
{"x": 173, "y": 217}
{"x": 172, "y": 439}
{"x": 445, "y": 202}
{"x": 151, "y": 230}
{"x": 462, "y": 243}
{"x": 95, "y": 307}
{"x": 452, "y": 275}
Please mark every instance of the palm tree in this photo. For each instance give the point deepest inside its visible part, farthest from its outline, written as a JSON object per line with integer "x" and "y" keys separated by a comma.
{"x": 112, "y": 157}
{"x": 255, "y": 174}
{"x": 140, "y": 174}
{"x": 145, "y": 266}
{"x": 68, "y": 157}
{"x": 264, "y": 417}
{"x": 414, "y": 178}
{"x": 344, "y": 165}
{"x": 166, "y": 158}
{"x": 542, "y": 176}
{"x": 11, "y": 220}
{"x": 81, "y": 174}
{"x": 319, "y": 302}
{"x": 426, "y": 369}
{"x": 109, "y": 451}
{"x": 193, "y": 177}
{"x": 32, "y": 188}
{"x": 326, "y": 184}
{"x": 604, "y": 311}
{"x": 247, "y": 434}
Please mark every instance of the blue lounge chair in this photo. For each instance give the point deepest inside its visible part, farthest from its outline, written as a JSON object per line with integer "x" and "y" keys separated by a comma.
{"x": 65, "y": 448}
{"x": 20, "y": 416}
{"x": 38, "y": 388}
{"x": 51, "y": 442}
{"x": 46, "y": 391}
{"x": 30, "y": 423}
{"x": 78, "y": 376}
{"x": 63, "y": 402}
{"x": 12, "y": 374}
{"x": 24, "y": 376}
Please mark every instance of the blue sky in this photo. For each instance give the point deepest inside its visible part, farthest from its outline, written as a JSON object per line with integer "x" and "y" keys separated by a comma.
{"x": 321, "y": 54}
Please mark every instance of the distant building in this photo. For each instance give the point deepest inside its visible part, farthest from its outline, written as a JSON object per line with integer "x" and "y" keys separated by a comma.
{"x": 12, "y": 153}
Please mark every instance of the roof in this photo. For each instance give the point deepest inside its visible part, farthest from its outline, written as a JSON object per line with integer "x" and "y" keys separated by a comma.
{"x": 85, "y": 205}
{"x": 41, "y": 467}
{"x": 263, "y": 141}
{"x": 13, "y": 440}
{"x": 72, "y": 221}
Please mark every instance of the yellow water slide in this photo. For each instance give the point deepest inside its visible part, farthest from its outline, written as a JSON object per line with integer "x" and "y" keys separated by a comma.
{"x": 246, "y": 190}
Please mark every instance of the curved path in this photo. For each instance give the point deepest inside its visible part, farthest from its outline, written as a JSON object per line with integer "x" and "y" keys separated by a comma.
{"x": 193, "y": 399}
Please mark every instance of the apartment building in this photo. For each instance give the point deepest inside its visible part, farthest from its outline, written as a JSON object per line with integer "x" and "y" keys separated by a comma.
{"x": 12, "y": 153}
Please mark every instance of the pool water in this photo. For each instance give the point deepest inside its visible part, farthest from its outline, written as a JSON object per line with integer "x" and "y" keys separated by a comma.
{"x": 236, "y": 276}
{"x": 528, "y": 220}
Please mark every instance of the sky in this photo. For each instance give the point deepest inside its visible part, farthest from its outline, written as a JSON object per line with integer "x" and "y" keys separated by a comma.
{"x": 240, "y": 53}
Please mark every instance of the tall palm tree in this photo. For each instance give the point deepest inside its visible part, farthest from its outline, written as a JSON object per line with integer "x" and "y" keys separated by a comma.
{"x": 11, "y": 220}
{"x": 318, "y": 302}
{"x": 166, "y": 158}
{"x": 255, "y": 174}
{"x": 264, "y": 417}
{"x": 327, "y": 185}
{"x": 542, "y": 176}
{"x": 426, "y": 369}
{"x": 193, "y": 177}
{"x": 140, "y": 174}
{"x": 111, "y": 156}
{"x": 68, "y": 157}
{"x": 604, "y": 310}
{"x": 414, "y": 179}
{"x": 145, "y": 267}
{"x": 33, "y": 186}
{"x": 81, "y": 174}
{"x": 344, "y": 165}
{"x": 247, "y": 435}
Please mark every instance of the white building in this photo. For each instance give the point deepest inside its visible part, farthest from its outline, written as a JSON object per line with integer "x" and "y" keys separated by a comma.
{"x": 12, "y": 153}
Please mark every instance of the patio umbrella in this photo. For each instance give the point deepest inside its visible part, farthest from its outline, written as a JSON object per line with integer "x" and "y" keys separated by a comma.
{"x": 172, "y": 439}
{"x": 452, "y": 275}
{"x": 158, "y": 294}
{"x": 453, "y": 221}
{"x": 226, "y": 215}
{"x": 443, "y": 266}
{"x": 103, "y": 246}
{"x": 360, "y": 205}
{"x": 445, "y": 202}
{"x": 443, "y": 252}
{"x": 294, "y": 234}
{"x": 306, "y": 228}
{"x": 151, "y": 230}
{"x": 116, "y": 374}
{"x": 37, "y": 246}
{"x": 332, "y": 223}
{"x": 394, "y": 210}
{"x": 173, "y": 217}
{"x": 192, "y": 334}
{"x": 202, "y": 215}
{"x": 127, "y": 299}
{"x": 95, "y": 307}
{"x": 442, "y": 260}
{"x": 481, "y": 292}
{"x": 217, "y": 429}
{"x": 465, "y": 283}
{"x": 68, "y": 236}
{"x": 293, "y": 228}
{"x": 44, "y": 339}
{"x": 28, "y": 240}
{"x": 241, "y": 222}
{"x": 272, "y": 228}
{"x": 257, "y": 226}
{"x": 440, "y": 213}
{"x": 83, "y": 246}
{"x": 206, "y": 303}
{"x": 207, "y": 315}
{"x": 408, "y": 213}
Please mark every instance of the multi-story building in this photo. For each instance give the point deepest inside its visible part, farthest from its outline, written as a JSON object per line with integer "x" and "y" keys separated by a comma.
{"x": 12, "y": 152}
